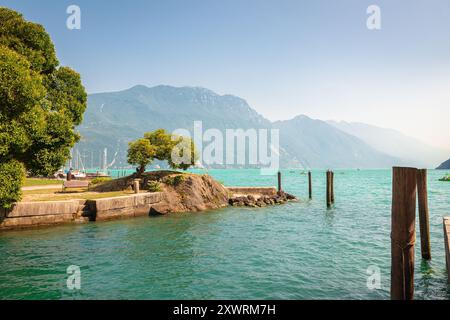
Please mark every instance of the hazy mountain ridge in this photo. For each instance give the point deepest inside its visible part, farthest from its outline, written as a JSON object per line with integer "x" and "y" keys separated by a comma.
{"x": 414, "y": 152}
{"x": 113, "y": 119}
{"x": 315, "y": 143}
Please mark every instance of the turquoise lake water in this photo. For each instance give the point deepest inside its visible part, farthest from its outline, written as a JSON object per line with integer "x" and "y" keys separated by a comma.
{"x": 294, "y": 251}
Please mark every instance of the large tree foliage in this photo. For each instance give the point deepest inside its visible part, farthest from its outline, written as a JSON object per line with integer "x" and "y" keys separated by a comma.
{"x": 183, "y": 154}
{"x": 178, "y": 151}
{"x": 141, "y": 153}
{"x": 162, "y": 142}
{"x": 40, "y": 104}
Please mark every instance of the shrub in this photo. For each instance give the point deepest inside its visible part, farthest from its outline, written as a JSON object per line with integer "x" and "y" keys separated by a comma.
{"x": 175, "y": 180}
{"x": 153, "y": 186}
{"x": 12, "y": 175}
{"x": 100, "y": 180}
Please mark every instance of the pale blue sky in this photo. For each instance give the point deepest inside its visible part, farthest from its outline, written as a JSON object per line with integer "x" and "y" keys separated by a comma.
{"x": 284, "y": 57}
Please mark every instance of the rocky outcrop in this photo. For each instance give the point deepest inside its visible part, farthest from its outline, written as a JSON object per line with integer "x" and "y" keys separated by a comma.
{"x": 191, "y": 193}
{"x": 183, "y": 192}
{"x": 444, "y": 165}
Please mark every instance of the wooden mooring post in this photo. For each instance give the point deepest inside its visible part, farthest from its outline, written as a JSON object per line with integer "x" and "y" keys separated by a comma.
{"x": 279, "y": 181}
{"x": 403, "y": 233}
{"x": 332, "y": 186}
{"x": 422, "y": 195}
{"x": 328, "y": 193}
{"x": 446, "y": 223}
{"x": 309, "y": 185}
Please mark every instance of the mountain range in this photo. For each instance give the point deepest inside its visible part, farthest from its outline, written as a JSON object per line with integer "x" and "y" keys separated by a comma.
{"x": 113, "y": 119}
{"x": 414, "y": 152}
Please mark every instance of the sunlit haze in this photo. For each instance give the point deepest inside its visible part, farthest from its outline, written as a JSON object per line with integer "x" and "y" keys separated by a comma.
{"x": 284, "y": 57}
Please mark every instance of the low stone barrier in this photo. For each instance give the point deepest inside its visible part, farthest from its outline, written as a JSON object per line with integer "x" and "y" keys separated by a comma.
{"x": 123, "y": 207}
{"x": 33, "y": 214}
{"x": 28, "y": 214}
{"x": 43, "y": 208}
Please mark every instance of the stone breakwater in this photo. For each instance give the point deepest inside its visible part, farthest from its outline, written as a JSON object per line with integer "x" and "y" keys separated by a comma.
{"x": 263, "y": 200}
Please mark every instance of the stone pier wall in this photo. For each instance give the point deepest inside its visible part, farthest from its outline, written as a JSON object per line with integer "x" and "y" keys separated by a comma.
{"x": 29, "y": 214}
{"x": 123, "y": 207}
{"x": 33, "y": 214}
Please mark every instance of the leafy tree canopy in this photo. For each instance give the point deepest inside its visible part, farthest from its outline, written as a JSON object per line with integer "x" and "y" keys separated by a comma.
{"x": 162, "y": 141}
{"x": 40, "y": 103}
{"x": 141, "y": 153}
{"x": 178, "y": 151}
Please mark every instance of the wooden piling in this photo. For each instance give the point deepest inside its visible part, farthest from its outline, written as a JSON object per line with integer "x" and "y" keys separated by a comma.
{"x": 403, "y": 233}
{"x": 422, "y": 195}
{"x": 446, "y": 222}
{"x": 332, "y": 186}
{"x": 279, "y": 181}
{"x": 328, "y": 193}
{"x": 309, "y": 185}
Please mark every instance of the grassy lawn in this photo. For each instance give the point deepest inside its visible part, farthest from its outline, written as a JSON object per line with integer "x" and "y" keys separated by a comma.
{"x": 30, "y": 182}
{"x": 58, "y": 195}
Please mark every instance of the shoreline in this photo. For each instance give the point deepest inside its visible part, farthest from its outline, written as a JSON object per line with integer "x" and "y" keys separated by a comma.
{"x": 34, "y": 214}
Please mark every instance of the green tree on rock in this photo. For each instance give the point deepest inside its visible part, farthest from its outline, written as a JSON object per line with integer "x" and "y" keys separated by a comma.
{"x": 178, "y": 151}
{"x": 162, "y": 141}
{"x": 141, "y": 153}
{"x": 183, "y": 154}
{"x": 40, "y": 105}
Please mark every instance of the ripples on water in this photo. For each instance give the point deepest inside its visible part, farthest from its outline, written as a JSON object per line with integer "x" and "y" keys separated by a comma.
{"x": 294, "y": 251}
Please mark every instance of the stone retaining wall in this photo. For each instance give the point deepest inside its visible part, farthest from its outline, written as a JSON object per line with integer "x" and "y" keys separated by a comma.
{"x": 27, "y": 214}
{"x": 123, "y": 207}
{"x": 32, "y": 214}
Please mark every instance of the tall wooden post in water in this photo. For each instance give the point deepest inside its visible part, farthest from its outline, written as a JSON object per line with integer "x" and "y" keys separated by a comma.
{"x": 309, "y": 185}
{"x": 328, "y": 193}
{"x": 403, "y": 233}
{"x": 332, "y": 186}
{"x": 424, "y": 223}
{"x": 279, "y": 181}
